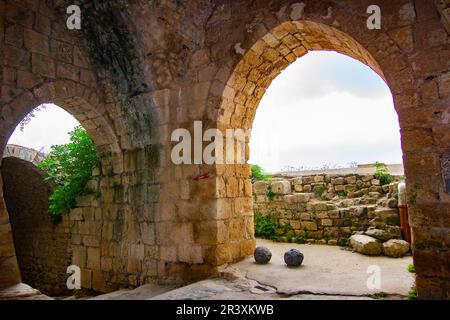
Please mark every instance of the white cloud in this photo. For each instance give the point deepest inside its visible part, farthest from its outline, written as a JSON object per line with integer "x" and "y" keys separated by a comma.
{"x": 338, "y": 126}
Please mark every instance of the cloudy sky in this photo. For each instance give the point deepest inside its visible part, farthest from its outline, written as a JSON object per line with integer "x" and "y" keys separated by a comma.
{"x": 50, "y": 126}
{"x": 324, "y": 109}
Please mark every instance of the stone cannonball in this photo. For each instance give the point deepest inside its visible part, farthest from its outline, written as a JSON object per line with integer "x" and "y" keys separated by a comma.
{"x": 293, "y": 258}
{"x": 262, "y": 255}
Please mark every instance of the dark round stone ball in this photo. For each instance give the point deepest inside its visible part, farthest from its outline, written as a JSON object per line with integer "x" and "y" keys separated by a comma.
{"x": 293, "y": 258}
{"x": 262, "y": 255}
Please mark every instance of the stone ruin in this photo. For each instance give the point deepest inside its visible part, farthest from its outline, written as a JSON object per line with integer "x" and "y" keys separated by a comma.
{"x": 132, "y": 85}
{"x": 328, "y": 209}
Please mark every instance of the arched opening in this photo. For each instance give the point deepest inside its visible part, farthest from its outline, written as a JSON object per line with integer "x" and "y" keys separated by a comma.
{"x": 67, "y": 233}
{"x": 327, "y": 133}
{"x": 42, "y": 237}
{"x": 326, "y": 110}
{"x": 250, "y": 79}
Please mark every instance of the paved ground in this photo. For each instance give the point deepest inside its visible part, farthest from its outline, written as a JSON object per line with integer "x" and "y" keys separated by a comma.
{"x": 327, "y": 272}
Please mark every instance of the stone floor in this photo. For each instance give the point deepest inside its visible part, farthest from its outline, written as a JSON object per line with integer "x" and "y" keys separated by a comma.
{"x": 327, "y": 272}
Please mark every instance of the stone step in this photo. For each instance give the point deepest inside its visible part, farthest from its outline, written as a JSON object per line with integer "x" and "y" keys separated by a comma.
{"x": 22, "y": 291}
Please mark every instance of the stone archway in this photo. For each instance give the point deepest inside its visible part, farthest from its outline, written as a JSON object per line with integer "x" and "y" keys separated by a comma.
{"x": 392, "y": 56}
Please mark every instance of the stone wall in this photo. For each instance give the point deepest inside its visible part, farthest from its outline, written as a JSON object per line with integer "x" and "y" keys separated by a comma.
{"x": 132, "y": 85}
{"x": 328, "y": 208}
{"x": 42, "y": 246}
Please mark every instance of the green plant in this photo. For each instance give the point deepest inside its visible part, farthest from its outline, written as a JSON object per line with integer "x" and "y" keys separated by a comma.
{"x": 69, "y": 168}
{"x": 411, "y": 268}
{"x": 342, "y": 193}
{"x": 342, "y": 242}
{"x": 270, "y": 194}
{"x": 258, "y": 173}
{"x": 319, "y": 191}
{"x": 378, "y": 295}
{"x": 265, "y": 226}
{"x": 301, "y": 240}
{"x": 412, "y": 294}
{"x": 382, "y": 173}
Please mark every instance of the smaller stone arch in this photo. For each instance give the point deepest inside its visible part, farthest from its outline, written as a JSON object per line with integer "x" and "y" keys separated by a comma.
{"x": 42, "y": 247}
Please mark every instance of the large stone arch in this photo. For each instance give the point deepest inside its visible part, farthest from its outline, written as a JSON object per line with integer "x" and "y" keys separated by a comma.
{"x": 396, "y": 53}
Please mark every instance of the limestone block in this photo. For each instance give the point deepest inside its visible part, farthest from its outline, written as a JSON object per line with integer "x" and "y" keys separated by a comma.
{"x": 318, "y": 179}
{"x": 295, "y": 224}
{"x": 281, "y": 187}
{"x": 319, "y": 206}
{"x": 305, "y": 216}
{"x": 86, "y": 278}
{"x": 337, "y": 181}
{"x": 93, "y": 258}
{"x": 260, "y": 187}
{"x": 379, "y": 234}
{"x": 375, "y": 182}
{"x": 350, "y": 180}
{"x": 309, "y": 225}
{"x": 395, "y": 248}
{"x": 365, "y": 244}
{"x": 367, "y": 178}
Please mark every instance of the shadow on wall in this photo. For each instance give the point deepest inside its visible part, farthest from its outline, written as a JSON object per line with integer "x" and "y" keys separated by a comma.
{"x": 42, "y": 247}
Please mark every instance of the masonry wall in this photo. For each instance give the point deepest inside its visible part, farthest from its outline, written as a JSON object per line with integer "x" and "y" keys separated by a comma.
{"x": 42, "y": 246}
{"x": 132, "y": 85}
{"x": 327, "y": 209}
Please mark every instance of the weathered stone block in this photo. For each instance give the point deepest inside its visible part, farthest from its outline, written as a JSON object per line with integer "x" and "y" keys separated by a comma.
{"x": 365, "y": 245}
{"x": 281, "y": 187}
{"x": 395, "y": 248}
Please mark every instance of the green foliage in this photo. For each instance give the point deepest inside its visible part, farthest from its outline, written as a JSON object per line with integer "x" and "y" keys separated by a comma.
{"x": 69, "y": 168}
{"x": 411, "y": 268}
{"x": 301, "y": 240}
{"x": 258, "y": 174}
{"x": 26, "y": 120}
{"x": 319, "y": 191}
{"x": 265, "y": 226}
{"x": 382, "y": 173}
{"x": 270, "y": 194}
{"x": 412, "y": 294}
{"x": 393, "y": 220}
{"x": 342, "y": 242}
{"x": 342, "y": 194}
{"x": 378, "y": 295}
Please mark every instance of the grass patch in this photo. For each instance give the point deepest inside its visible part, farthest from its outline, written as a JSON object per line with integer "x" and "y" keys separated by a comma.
{"x": 265, "y": 226}
{"x": 378, "y": 295}
{"x": 412, "y": 294}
